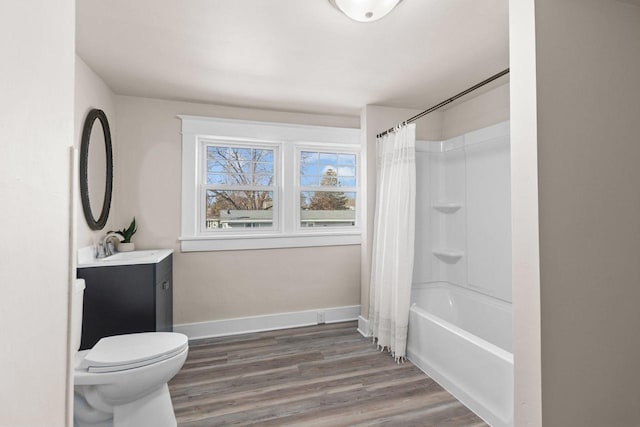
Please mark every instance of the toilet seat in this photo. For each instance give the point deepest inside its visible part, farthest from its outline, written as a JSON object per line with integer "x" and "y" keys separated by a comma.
{"x": 122, "y": 352}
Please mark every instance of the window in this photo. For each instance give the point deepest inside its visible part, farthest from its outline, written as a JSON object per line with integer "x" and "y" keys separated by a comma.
{"x": 328, "y": 190}
{"x": 254, "y": 185}
{"x": 239, "y": 188}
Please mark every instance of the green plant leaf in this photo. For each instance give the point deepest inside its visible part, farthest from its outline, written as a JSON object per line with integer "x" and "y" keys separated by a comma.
{"x": 127, "y": 233}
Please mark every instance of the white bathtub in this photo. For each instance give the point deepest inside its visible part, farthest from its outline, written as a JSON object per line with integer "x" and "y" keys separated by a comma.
{"x": 462, "y": 339}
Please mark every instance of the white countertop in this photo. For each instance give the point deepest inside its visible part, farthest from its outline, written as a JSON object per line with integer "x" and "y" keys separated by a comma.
{"x": 86, "y": 257}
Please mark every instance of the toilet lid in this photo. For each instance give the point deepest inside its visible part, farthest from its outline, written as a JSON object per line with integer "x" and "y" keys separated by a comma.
{"x": 121, "y": 352}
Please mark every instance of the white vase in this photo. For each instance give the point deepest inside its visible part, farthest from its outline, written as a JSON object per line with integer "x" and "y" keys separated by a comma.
{"x": 126, "y": 247}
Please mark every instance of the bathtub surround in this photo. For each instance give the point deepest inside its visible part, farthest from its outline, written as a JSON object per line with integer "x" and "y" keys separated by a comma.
{"x": 460, "y": 323}
{"x": 394, "y": 226}
{"x": 463, "y": 202}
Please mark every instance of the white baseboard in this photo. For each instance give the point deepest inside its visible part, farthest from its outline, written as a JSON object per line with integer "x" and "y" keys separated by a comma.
{"x": 268, "y": 322}
{"x": 363, "y": 327}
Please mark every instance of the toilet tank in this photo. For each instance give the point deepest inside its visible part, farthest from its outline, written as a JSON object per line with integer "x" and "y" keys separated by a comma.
{"x": 77, "y": 299}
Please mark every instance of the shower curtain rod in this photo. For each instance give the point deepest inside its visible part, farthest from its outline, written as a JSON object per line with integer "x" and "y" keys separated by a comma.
{"x": 448, "y": 101}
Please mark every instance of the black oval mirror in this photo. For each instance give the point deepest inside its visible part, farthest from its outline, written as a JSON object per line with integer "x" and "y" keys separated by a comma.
{"x": 96, "y": 169}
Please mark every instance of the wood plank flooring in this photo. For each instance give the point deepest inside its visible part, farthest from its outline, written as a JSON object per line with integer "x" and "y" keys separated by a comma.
{"x": 325, "y": 375}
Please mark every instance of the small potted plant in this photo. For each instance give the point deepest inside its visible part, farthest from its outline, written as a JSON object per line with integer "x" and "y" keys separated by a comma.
{"x": 127, "y": 233}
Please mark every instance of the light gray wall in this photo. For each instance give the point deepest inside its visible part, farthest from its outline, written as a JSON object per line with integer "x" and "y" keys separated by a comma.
{"x": 481, "y": 111}
{"x": 587, "y": 87}
{"x": 588, "y": 69}
{"x": 36, "y": 133}
{"x": 219, "y": 285}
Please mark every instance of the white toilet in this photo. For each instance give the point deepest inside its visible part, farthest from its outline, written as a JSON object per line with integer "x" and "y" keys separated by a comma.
{"x": 122, "y": 380}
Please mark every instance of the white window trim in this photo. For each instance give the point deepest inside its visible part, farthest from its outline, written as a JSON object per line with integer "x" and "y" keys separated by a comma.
{"x": 291, "y": 139}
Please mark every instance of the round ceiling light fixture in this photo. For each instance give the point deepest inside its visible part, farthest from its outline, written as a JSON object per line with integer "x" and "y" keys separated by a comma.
{"x": 365, "y": 10}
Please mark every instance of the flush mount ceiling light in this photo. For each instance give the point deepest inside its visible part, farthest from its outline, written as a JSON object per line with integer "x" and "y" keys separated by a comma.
{"x": 365, "y": 10}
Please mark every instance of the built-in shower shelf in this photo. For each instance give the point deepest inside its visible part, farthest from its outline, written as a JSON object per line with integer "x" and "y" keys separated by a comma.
{"x": 447, "y": 208}
{"x": 450, "y": 256}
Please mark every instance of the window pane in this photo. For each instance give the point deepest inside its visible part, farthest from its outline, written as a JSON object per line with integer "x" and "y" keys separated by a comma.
{"x": 309, "y": 163}
{"x": 329, "y": 177}
{"x": 327, "y": 209}
{"x": 329, "y": 160}
{"x": 333, "y": 169}
{"x": 347, "y": 160}
{"x": 239, "y": 209}
{"x": 240, "y": 166}
{"x": 347, "y": 182}
{"x": 215, "y": 166}
{"x": 264, "y": 156}
{"x": 263, "y": 168}
{"x": 214, "y": 178}
{"x": 240, "y": 154}
{"x": 262, "y": 180}
{"x": 346, "y": 171}
{"x": 309, "y": 181}
{"x": 309, "y": 156}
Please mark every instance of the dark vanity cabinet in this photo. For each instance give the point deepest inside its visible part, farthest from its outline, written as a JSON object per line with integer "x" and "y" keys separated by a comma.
{"x": 124, "y": 299}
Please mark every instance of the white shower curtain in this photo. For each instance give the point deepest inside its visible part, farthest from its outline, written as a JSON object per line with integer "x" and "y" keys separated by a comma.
{"x": 393, "y": 240}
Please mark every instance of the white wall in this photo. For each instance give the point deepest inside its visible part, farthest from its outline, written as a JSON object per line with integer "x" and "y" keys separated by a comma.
{"x": 587, "y": 88}
{"x": 219, "y": 285}
{"x": 36, "y": 131}
{"x": 92, "y": 92}
{"x": 525, "y": 260}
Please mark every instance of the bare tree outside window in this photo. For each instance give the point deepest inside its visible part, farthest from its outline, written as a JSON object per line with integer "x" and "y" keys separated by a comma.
{"x": 240, "y": 187}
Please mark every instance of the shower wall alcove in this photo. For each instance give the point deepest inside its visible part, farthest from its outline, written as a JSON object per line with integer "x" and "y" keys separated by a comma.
{"x": 461, "y": 320}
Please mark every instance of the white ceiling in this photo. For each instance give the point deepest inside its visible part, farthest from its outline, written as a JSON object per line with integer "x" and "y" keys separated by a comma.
{"x": 296, "y": 55}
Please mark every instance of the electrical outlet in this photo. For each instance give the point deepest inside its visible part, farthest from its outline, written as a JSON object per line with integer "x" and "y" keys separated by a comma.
{"x": 321, "y": 317}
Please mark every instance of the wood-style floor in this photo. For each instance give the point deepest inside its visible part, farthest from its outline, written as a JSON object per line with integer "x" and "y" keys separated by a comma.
{"x": 325, "y": 375}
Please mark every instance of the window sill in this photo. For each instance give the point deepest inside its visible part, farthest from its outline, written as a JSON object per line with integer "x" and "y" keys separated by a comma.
{"x": 267, "y": 241}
